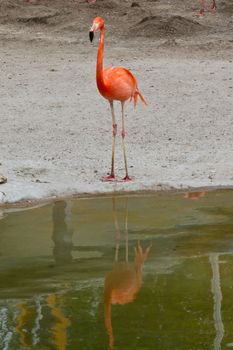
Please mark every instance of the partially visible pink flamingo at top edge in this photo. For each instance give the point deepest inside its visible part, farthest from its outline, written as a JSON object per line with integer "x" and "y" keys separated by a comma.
{"x": 89, "y": 1}
{"x": 201, "y": 13}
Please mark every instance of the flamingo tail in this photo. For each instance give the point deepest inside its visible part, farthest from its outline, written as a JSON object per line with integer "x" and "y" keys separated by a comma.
{"x": 135, "y": 97}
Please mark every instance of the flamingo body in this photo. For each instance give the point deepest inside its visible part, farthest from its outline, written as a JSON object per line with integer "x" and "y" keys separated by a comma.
{"x": 119, "y": 84}
{"x": 124, "y": 281}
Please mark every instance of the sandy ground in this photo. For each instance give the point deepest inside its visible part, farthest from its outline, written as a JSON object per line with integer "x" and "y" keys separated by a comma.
{"x": 55, "y": 134}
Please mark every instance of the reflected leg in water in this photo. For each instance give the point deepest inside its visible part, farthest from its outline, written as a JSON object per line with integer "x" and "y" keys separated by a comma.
{"x": 117, "y": 229}
{"x": 124, "y": 281}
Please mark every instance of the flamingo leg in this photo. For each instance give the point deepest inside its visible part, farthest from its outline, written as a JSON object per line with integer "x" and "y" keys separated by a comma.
{"x": 214, "y": 6}
{"x": 111, "y": 177}
{"x": 126, "y": 178}
{"x": 117, "y": 230}
{"x": 201, "y": 13}
{"x": 126, "y": 232}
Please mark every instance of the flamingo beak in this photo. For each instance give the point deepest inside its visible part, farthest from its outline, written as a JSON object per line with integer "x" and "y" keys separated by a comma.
{"x": 91, "y": 35}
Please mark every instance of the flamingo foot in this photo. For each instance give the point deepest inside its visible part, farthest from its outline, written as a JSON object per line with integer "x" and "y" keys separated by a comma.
{"x": 213, "y": 7}
{"x": 109, "y": 178}
{"x": 126, "y": 179}
{"x": 201, "y": 13}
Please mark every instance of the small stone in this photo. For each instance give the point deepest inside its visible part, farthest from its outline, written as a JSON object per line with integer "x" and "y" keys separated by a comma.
{"x": 135, "y": 4}
{"x": 3, "y": 179}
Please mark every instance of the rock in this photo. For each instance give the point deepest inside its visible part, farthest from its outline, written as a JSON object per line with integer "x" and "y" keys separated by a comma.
{"x": 3, "y": 179}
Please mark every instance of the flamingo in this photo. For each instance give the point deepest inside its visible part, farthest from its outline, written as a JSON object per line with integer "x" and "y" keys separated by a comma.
{"x": 114, "y": 84}
{"x": 201, "y": 13}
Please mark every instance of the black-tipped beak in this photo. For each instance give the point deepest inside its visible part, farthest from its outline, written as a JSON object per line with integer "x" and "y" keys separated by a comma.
{"x": 91, "y": 36}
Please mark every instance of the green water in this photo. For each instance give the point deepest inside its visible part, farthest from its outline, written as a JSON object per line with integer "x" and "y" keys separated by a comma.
{"x": 139, "y": 272}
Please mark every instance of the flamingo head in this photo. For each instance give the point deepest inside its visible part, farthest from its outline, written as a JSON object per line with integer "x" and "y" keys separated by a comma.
{"x": 98, "y": 23}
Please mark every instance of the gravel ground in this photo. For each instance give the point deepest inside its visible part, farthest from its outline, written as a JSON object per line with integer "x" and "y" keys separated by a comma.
{"x": 55, "y": 134}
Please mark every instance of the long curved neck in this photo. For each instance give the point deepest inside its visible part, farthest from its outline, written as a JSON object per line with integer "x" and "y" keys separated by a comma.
{"x": 100, "y": 56}
{"x": 108, "y": 322}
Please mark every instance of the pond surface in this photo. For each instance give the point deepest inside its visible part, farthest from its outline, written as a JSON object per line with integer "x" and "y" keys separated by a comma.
{"x": 137, "y": 272}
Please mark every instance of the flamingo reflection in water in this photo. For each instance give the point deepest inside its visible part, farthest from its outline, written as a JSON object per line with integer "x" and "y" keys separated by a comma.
{"x": 195, "y": 195}
{"x": 124, "y": 281}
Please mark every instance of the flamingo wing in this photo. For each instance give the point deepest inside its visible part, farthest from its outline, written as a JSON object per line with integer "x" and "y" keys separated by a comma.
{"x": 120, "y": 83}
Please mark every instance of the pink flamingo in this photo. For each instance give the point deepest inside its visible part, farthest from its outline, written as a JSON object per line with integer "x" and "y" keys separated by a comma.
{"x": 114, "y": 84}
{"x": 201, "y": 13}
{"x": 89, "y": 1}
